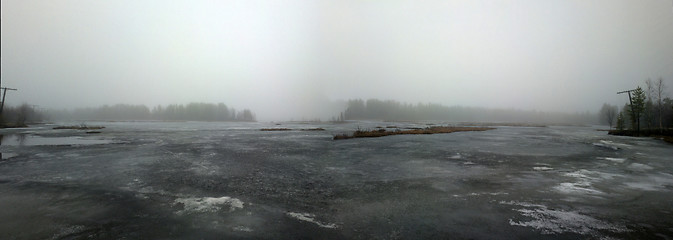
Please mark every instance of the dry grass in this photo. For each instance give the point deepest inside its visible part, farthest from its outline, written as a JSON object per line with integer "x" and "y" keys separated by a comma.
{"x": 81, "y": 127}
{"x": 313, "y": 129}
{"x": 275, "y": 129}
{"x": 505, "y": 124}
{"x": 288, "y": 129}
{"x": 429, "y": 130}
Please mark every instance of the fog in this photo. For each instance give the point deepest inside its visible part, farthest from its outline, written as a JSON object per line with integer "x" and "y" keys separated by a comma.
{"x": 304, "y": 59}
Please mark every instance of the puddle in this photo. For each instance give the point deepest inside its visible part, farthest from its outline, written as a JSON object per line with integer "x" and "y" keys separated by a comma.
{"x": 32, "y": 140}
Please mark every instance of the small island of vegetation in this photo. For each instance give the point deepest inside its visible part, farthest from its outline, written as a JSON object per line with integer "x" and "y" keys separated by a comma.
{"x": 80, "y": 127}
{"x": 649, "y": 113}
{"x": 429, "y": 130}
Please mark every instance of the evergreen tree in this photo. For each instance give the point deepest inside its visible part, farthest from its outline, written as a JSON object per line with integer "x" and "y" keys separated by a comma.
{"x": 620, "y": 121}
{"x": 637, "y": 108}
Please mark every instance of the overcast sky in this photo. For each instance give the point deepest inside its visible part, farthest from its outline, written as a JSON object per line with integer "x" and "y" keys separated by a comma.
{"x": 284, "y": 59}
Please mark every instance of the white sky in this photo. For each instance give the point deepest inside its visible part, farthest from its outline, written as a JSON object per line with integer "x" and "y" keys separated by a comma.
{"x": 287, "y": 59}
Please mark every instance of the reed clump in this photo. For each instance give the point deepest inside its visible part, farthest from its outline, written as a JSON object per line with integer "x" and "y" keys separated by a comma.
{"x": 429, "y": 130}
{"x": 313, "y": 129}
{"x": 275, "y": 129}
{"x": 80, "y": 127}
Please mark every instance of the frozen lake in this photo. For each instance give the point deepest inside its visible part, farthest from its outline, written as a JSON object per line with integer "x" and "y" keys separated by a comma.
{"x": 202, "y": 180}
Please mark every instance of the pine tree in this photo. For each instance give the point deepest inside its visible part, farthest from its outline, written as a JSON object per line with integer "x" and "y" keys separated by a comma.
{"x": 637, "y": 108}
{"x": 620, "y": 121}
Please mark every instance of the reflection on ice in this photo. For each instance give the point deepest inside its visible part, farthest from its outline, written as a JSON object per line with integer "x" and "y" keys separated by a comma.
{"x": 241, "y": 229}
{"x": 618, "y": 160}
{"x": 307, "y": 217}
{"x": 610, "y": 145}
{"x": 577, "y": 187}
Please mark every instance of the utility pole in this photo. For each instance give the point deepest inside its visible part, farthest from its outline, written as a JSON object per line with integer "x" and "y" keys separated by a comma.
{"x": 4, "y": 94}
{"x": 631, "y": 104}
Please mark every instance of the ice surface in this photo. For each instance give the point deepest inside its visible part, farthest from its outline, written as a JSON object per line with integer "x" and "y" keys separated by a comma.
{"x": 66, "y": 232}
{"x": 207, "y": 204}
{"x": 190, "y": 180}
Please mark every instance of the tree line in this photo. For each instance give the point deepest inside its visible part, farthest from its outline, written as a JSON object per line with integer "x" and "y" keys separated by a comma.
{"x": 649, "y": 108}
{"x": 172, "y": 112}
{"x": 375, "y": 109}
{"x": 18, "y": 116}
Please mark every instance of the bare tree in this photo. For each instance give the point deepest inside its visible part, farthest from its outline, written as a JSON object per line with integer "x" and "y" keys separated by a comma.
{"x": 649, "y": 108}
{"x": 608, "y": 114}
{"x": 659, "y": 94}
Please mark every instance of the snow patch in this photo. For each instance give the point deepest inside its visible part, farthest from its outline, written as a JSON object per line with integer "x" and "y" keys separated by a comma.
{"x": 241, "y": 229}
{"x": 457, "y": 156}
{"x": 602, "y": 144}
{"x": 584, "y": 180}
{"x": 552, "y": 221}
{"x": 482, "y": 193}
{"x": 578, "y": 187}
{"x": 207, "y": 204}
{"x": 542, "y": 168}
{"x": 307, "y": 217}
{"x": 619, "y": 160}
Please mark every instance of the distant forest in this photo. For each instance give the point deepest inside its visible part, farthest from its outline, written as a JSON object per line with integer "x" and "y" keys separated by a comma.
{"x": 375, "y": 109}
{"x": 173, "y": 112}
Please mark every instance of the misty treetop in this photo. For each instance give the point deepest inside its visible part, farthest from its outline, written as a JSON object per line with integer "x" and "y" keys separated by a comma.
{"x": 375, "y": 109}
{"x": 172, "y": 112}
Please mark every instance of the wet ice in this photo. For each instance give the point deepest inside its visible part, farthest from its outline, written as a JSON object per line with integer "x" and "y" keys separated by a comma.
{"x": 230, "y": 180}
